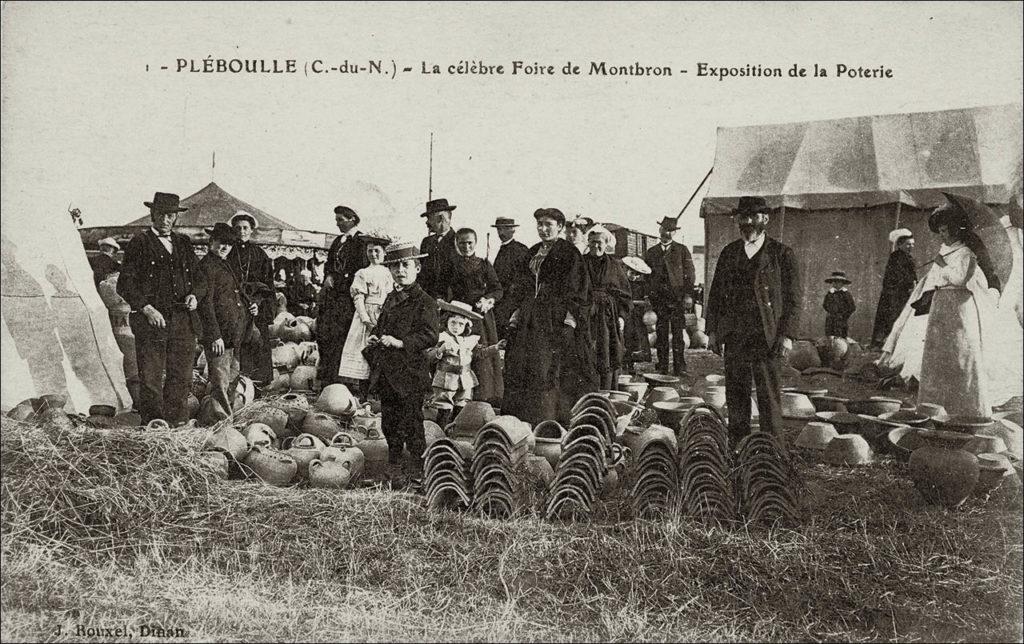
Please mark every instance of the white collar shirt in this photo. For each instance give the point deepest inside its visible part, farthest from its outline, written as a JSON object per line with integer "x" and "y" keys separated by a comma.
{"x": 164, "y": 239}
{"x": 751, "y": 247}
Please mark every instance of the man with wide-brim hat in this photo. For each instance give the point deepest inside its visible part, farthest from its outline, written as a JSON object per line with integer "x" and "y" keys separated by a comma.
{"x": 106, "y": 262}
{"x": 439, "y": 246}
{"x": 157, "y": 280}
{"x": 223, "y": 314}
{"x": 838, "y": 305}
{"x": 254, "y": 272}
{"x": 752, "y": 315}
{"x": 510, "y": 265}
{"x": 898, "y": 283}
{"x": 670, "y": 282}
{"x": 395, "y": 351}
{"x": 346, "y": 256}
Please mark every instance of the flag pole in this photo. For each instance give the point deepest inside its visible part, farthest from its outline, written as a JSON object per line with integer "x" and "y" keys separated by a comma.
{"x": 430, "y": 175}
{"x": 696, "y": 191}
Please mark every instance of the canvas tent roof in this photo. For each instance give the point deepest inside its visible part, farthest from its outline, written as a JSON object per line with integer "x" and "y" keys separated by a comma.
{"x": 871, "y": 160}
{"x": 213, "y": 204}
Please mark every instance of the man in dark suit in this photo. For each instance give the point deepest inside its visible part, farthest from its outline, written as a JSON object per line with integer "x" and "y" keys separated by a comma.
{"x": 510, "y": 264}
{"x": 346, "y": 256}
{"x": 439, "y": 248}
{"x": 399, "y": 372}
{"x": 253, "y": 268}
{"x": 752, "y": 317}
{"x": 105, "y": 263}
{"x": 157, "y": 282}
{"x": 222, "y": 313}
{"x": 670, "y": 281}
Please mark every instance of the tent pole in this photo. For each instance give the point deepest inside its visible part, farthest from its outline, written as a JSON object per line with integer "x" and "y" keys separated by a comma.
{"x": 899, "y": 208}
{"x": 782, "y": 221}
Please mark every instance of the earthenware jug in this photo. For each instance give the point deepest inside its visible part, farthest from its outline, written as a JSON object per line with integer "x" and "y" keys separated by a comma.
{"x": 309, "y": 353}
{"x": 259, "y": 434}
{"x": 274, "y": 418}
{"x": 285, "y": 356}
{"x": 229, "y": 440}
{"x": 804, "y": 355}
{"x": 336, "y": 400}
{"x": 331, "y": 475}
{"x": 944, "y": 476}
{"x": 271, "y": 466}
{"x": 548, "y": 435}
{"x": 375, "y": 449}
{"x": 296, "y": 406}
{"x": 302, "y": 378}
{"x": 323, "y": 426}
{"x": 343, "y": 449}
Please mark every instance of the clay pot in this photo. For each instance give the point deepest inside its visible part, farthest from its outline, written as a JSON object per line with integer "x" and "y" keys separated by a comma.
{"x": 259, "y": 434}
{"x": 309, "y": 353}
{"x": 874, "y": 406}
{"x": 944, "y": 476}
{"x": 228, "y": 440}
{"x": 816, "y": 435}
{"x": 337, "y": 400}
{"x": 714, "y": 395}
{"x": 215, "y": 461}
{"x": 293, "y": 330}
{"x": 321, "y": 425}
{"x": 271, "y": 466}
{"x": 796, "y": 405}
{"x": 994, "y": 470}
{"x": 848, "y": 449}
{"x": 636, "y": 390}
{"x": 375, "y": 449}
{"x": 343, "y": 449}
{"x": 304, "y": 448}
{"x": 932, "y": 411}
{"x": 971, "y": 424}
{"x": 285, "y": 356}
{"x": 330, "y": 475}
{"x": 276, "y": 419}
{"x": 906, "y": 417}
{"x": 302, "y": 378}
{"x": 985, "y": 445}
{"x": 662, "y": 394}
{"x": 548, "y": 435}
{"x": 804, "y": 355}
{"x": 1011, "y": 433}
{"x": 364, "y": 421}
{"x": 296, "y": 406}
{"x": 280, "y": 320}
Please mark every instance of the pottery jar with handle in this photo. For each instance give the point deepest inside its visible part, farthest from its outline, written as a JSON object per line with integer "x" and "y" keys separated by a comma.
{"x": 303, "y": 448}
{"x": 259, "y": 434}
{"x": 271, "y": 466}
{"x": 322, "y": 425}
{"x": 331, "y": 475}
{"x": 343, "y": 449}
{"x": 375, "y": 449}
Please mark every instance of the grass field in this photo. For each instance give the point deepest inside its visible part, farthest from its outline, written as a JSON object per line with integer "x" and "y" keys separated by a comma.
{"x": 126, "y": 531}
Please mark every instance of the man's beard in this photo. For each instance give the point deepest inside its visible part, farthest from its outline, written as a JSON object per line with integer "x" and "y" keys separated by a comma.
{"x": 752, "y": 231}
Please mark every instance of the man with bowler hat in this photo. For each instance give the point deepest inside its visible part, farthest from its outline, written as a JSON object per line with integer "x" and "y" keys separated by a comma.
{"x": 670, "y": 281}
{"x": 510, "y": 264}
{"x": 157, "y": 282}
{"x": 439, "y": 248}
{"x": 222, "y": 312}
{"x": 346, "y": 256}
{"x": 254, "y": 272}
{"x": 752, "y": 317}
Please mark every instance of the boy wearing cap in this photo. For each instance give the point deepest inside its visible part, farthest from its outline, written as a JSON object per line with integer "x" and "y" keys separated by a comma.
{"x": 222, "y": 313}
{"x": 252, "y": 265}
{"x": 396, "y": 352}
{"x": 838, "y": 305}
{"x": 105, "y": 263}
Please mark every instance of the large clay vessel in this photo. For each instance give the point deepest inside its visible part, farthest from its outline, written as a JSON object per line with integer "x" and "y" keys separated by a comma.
{"x": 321, "y": 425}
{"x": 804, "y": 355}
{"x": 302, "y": 378}
{"x": 304, "y": 449}
{"x": 375, "y": 449}
{"x": 285, "y": 356}
{"x": 343, "y": 449}
{"x": 331, "y": 475}
{"x": 270, "y": 465}
{"x": 944, "y": 476}
{"x": 229, "y": 440}
{"x": 336, "y": 400}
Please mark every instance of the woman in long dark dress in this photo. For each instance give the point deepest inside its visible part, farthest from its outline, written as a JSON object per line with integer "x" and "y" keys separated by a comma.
{"x": 474, "y": 282}
{"x": 611, "y": 304}
{"x": 550, "y": 363}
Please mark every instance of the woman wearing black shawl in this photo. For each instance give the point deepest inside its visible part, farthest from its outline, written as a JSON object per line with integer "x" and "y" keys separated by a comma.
{"x": 612, "y": 302}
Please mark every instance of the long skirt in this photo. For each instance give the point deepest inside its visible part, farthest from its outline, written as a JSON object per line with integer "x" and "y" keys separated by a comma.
{"x": 952, "y": 367}
{"x": 354, "y": 366}
{"x": 487, "y": 364}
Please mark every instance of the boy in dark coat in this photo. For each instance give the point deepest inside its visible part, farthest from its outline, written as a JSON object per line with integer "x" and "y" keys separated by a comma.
{"x": 838, "y": 305}
{"x": 222, "y": 314}
{"x": 395, "y": 351}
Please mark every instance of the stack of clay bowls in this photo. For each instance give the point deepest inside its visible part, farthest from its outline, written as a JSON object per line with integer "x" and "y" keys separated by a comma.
{"x": 581, "y": 467}
{"x": 704, "y": 466}
{"x": 500, "y": 446}
{"x": 445, "y": 476}
{"x": 764, "y": 480}
{"x": 656, "y": 470}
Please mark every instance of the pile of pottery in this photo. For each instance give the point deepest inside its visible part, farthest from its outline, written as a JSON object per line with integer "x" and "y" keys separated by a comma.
{"x": 584, "y": 458}
{"x": 705, "y": 464}
{"x": 656, "y": 468}
{"x": 446, "y": 475}
{"x": 499, "y": 448}
{"x": 294, "y": 365}
{"x": 764, "y": 480}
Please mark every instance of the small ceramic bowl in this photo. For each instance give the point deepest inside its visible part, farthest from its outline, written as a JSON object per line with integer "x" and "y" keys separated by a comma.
{"x": 906, "y": 417}
{"x": 985, "y": 445}
{"x": 942, "y": 438}
{"x": 848, "y": 449}
{"x": 963, "y": 423}
{"x": 903, "y": 441}
{"x": 796, "y": 405}
{"x": 873, "y": 406}
{"x": 663, "y": 394}
{"x": 660, "y": 379}
{"x": 816, "y": 435}
{"x": 671, "y": 412}
{"x": 933, "y": 411}
{"x": 828, "y": 403}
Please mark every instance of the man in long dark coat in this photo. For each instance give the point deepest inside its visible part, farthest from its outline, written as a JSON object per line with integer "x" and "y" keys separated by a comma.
{"x": 897, "y": 285}
{"x": 510, "y": 265}
{"x": 439, "y": 248}
{"x": 753, "y": 314}
{"x": 157, "y": 282}
{"x": 670, "y": 281}
{"x": 252, "y": 267}
{"x": 346, "y": 256}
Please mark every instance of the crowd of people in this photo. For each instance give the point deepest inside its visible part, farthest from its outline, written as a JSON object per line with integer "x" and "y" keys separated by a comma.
{"x": 434, "y": 323}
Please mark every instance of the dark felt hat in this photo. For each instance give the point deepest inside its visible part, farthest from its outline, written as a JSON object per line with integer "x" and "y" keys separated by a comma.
{"x": 222, "y": 233}
{"x": 751, "y": 206}
{"x": 437, "y": 205}
{"x": 165, "y": 202}
{"x": 669, "y": 223}
{"x": 839, "y": 277}
{"x": 346, "y": 211}
{"x": 550, "y": 213}
{"x": 504, "y": 221}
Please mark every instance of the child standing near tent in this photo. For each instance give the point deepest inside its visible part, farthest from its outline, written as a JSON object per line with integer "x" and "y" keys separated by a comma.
{"x": 838, "y": 305}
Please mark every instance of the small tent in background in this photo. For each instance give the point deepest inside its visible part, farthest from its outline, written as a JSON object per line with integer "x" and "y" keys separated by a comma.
{"x": 56, "y": 335}
{"x": 837, "y": 188}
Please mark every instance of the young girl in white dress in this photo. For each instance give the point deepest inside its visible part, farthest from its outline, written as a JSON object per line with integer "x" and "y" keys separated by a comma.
{"x": 370, "y": 287}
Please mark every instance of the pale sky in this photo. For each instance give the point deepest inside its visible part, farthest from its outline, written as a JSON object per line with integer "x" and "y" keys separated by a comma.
{"x": 84, "y": 123}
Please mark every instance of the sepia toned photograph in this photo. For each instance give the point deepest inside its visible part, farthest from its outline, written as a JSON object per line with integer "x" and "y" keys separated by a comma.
{"x": 494, "y": 321}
